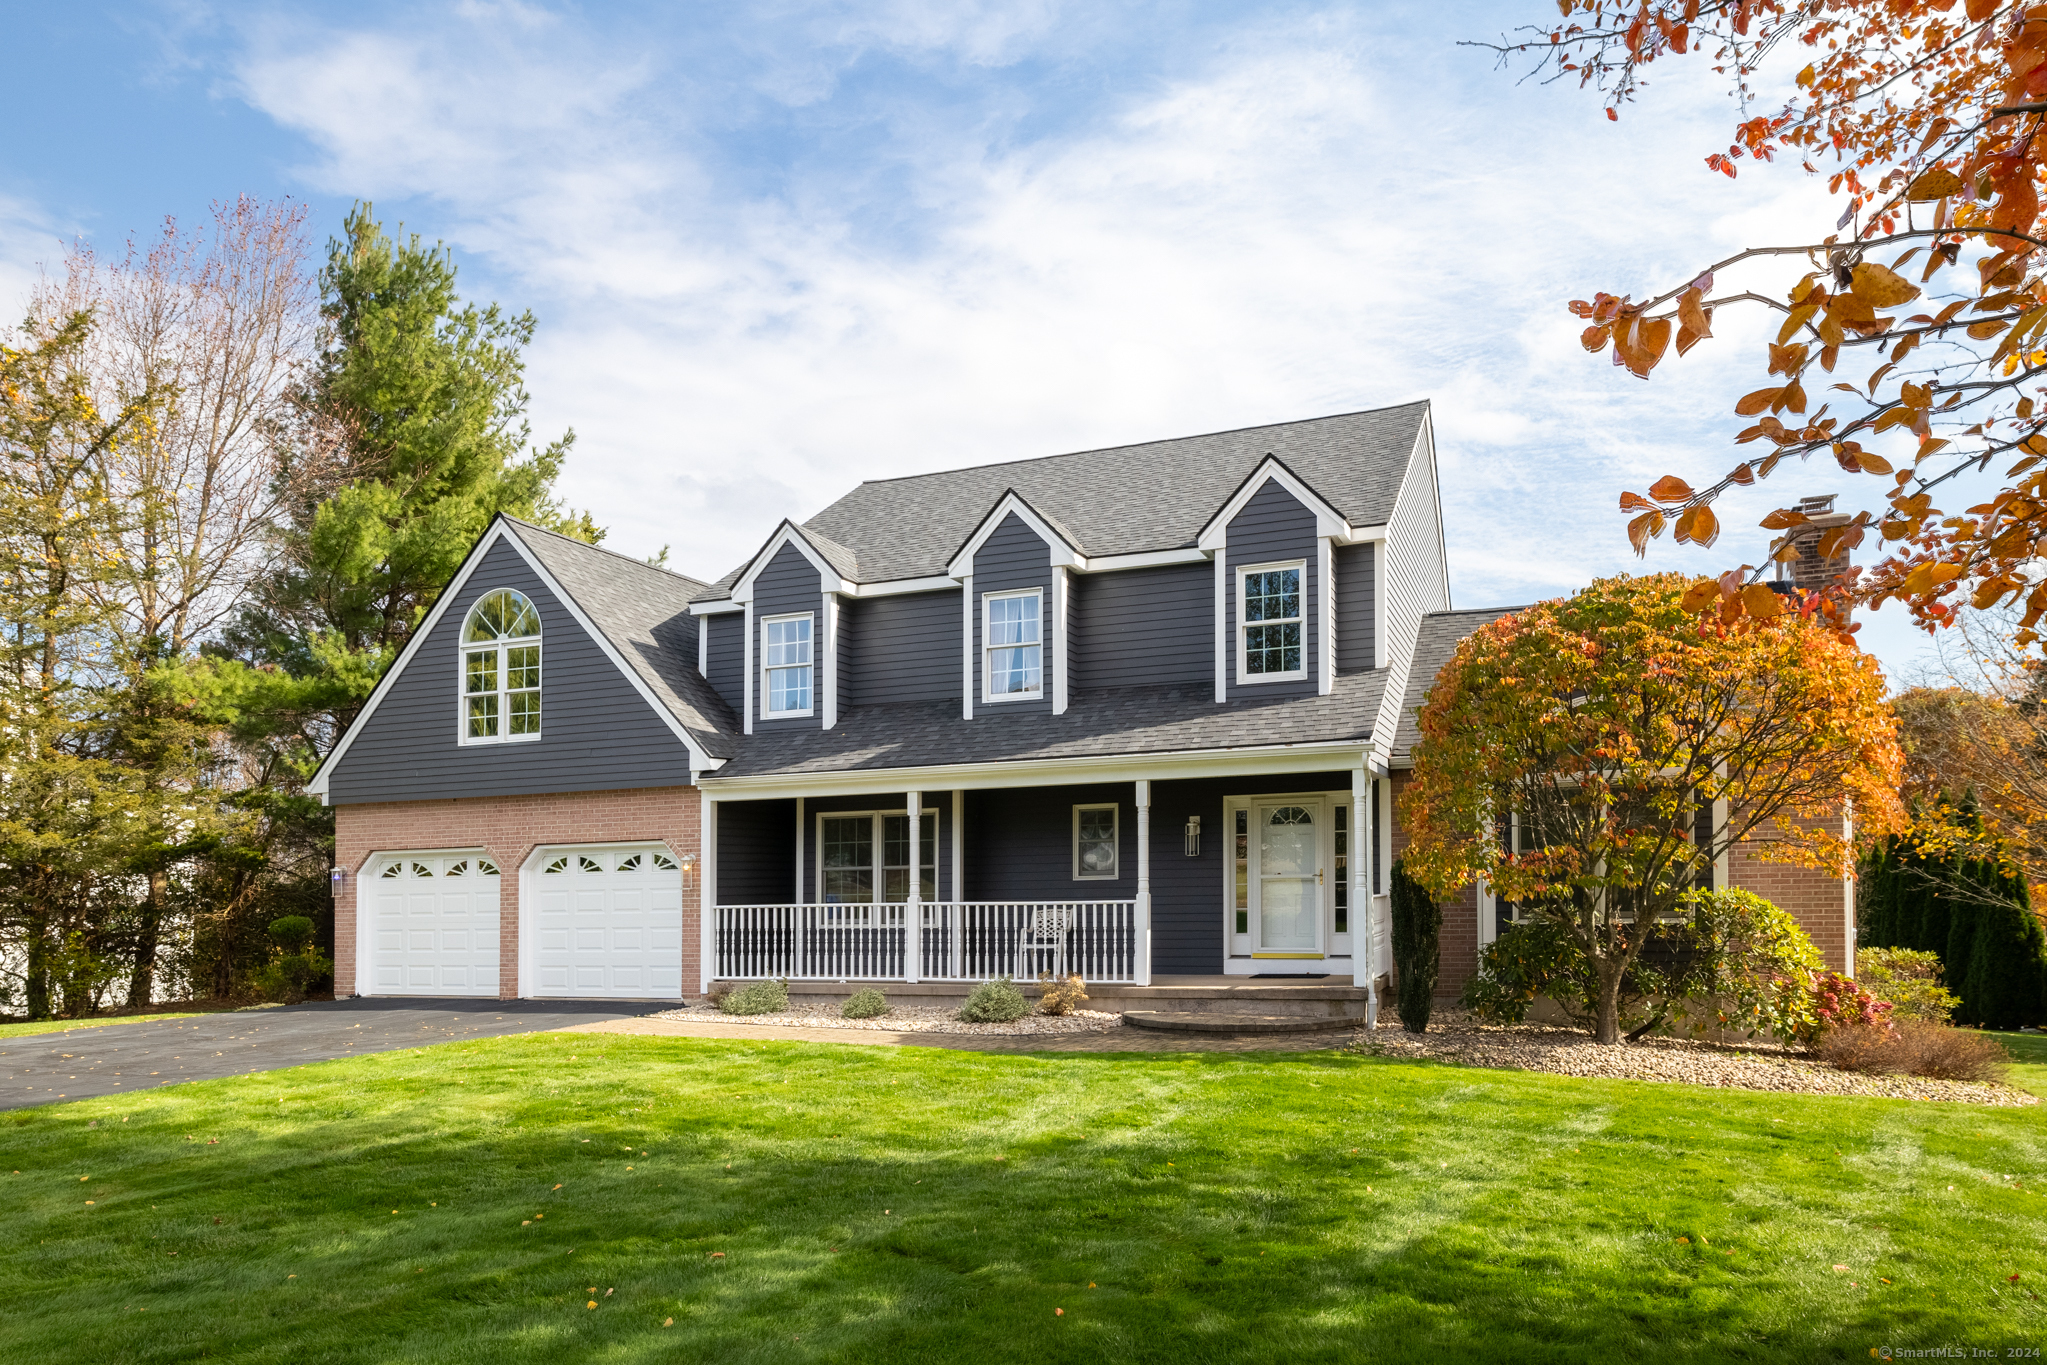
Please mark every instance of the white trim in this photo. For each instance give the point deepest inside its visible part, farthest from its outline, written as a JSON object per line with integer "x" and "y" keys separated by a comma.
{"x": 959, "y": 844}
{"x": 879, "y": 865}
{"x": 767, "y": 695}
{"x": 1259, "y": 760}
{"x": 1246, "y": 962}
{"x": 1359, "y": 535}
{"x": 464, "y": 648}
{"x": 799, "y": 850}
{"x": 832, "y": 608}
{"x": 1360, "y": 892}
{"x": 724, "y": 606}
{"x": 1245, "y": 678}
{"x": 1328, "y": 521}
{"x": 704, "y": 649}
{"x": 931, "y": 583}
{"x": 1379, "y": 557}
{"x": 967, "y": 647}
{"x": 788, "y": 533}
{"x": 1115, "y": 809}
{"x": 913, "y": 884}
{"x": 989, "y": 698}
{"x": 1325, "y": 583}
{"x": 1142, "y": 559}
{"x": 1063, "y": 551}
{"x": 707, "y": 891}
{"x": 1062, "y": 595}
{"x": 1143, "y": 906}
{"x": 500, "y": 530}
{"x": 1222, "y": 627}
{"x": 747, "y": 721}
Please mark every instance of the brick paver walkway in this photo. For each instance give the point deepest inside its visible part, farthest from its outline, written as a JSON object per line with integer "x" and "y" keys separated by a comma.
{"x": 1124, "y": 1039}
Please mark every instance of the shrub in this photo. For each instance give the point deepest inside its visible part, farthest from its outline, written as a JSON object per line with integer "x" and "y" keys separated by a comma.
{"x": 756, "y": 997}
{"x": 1061, "y": 997}
{"x": 1417, "y": 930}
{"x": 1909, "y": 979}
{"x": 291, "y": 972}
{"x": 1839, "y": 1002}
{"x": 292, "y": 932}
{"x": 2006, "y": 961}
{"x": 865, "y": 1004}
{"x": 994, "y": 1002}
{"x": 1913, "y": 1048}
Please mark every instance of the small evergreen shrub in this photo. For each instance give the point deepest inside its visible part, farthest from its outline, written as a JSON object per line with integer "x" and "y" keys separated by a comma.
{"x": 291, "y": 972}
{"x": 865, "y": 1004}
{"x": 994, "y": 1002}
{"x": 292, "y": 933}
{"x": 1417, "y": 933}
{"x": 1909, "y": 979}
{"x": 2007, "y": 961}
{"x": 1061, "y": 997}
{"x": 756, "y": 997}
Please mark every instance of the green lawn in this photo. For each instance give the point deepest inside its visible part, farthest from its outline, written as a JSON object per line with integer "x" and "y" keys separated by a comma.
{"x": 65, "y": 1025}
{"x": 793, "y": 1202}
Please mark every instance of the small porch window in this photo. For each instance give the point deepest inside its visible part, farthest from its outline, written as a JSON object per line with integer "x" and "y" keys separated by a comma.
{"x": 1094, "y": 842}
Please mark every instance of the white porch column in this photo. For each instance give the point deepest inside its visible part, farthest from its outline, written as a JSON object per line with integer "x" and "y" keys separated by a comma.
{"x": 707, "y": 892}
{"x": 1143, "y": 882}
{"x": 956, "y": 917}
{"x": 1364, "y": 841}
{"x": 913, "y": 908}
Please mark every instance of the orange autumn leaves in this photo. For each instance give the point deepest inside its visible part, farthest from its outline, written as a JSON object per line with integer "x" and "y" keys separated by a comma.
{"x": 1928, "y": 119}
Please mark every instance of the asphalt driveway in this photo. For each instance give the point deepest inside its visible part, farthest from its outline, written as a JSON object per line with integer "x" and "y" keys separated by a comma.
{"x": 115, "y": 1059}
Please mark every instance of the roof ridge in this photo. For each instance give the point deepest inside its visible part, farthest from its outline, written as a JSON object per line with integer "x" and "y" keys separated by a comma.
{"x": 615, "y": 554}
{"x": 1132, "y": 445}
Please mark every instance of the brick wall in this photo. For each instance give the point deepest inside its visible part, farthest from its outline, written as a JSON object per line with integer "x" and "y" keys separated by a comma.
{"x": 1823, "y": 905}
{"x": 509, "y": 828}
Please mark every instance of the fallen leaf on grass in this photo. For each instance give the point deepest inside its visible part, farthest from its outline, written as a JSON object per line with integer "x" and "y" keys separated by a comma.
{"x": 1841, "y": 1267}
{"x": 591, "y": 1304}
{"x": 668, "y": 1322}
{"x": 1059, "y": 1312}
{"x": 89, "y": 1204}
{"x": 717, "y": 1255}
{"x": 556, "y": 1188}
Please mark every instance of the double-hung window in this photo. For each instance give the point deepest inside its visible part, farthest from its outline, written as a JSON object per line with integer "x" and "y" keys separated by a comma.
{"x": 864, "y": 859}
{"x": 786, "y": 652}
{"x": 1270, "y": 615}
{"x": 501, "y": 670}
{"x": 1012, "y": 645}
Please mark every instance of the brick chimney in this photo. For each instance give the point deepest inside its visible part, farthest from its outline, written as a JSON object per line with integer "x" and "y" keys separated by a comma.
{"x": 1807, "y": 571}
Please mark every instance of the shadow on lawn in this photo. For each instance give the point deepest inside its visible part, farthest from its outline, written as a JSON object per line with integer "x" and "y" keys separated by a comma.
{"x": 791, "y": 1201}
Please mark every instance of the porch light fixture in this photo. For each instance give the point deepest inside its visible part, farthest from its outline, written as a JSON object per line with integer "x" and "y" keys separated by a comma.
{"x": 1192, "y": 838}
{"x": 336, "y": 879}
{"x": 689, "y": 871}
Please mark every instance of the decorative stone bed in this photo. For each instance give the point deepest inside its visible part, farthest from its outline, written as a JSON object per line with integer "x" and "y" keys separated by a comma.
{"x": 1454, "y": 1037}
{"x": 911, "y": 1019}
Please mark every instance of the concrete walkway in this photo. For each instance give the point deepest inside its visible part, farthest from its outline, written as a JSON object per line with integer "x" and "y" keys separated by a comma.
{"x": 119, "y": 1059}
{"x": 1113, "y": 1040}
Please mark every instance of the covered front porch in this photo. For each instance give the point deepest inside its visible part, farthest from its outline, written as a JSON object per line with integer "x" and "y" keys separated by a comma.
{"x": 1247, "y": 877}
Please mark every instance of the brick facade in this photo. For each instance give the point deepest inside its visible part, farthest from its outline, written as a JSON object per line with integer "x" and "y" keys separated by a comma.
{"x": 508, "y": 829}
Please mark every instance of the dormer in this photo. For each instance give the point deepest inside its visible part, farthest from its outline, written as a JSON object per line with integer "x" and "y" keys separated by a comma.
{"x": 1015, "y": 610}
{"x": 789, "y": 596}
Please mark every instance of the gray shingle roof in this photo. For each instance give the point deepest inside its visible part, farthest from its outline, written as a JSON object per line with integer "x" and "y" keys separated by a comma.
{"x": 1106, "y": 722}
{"x": 644, "y": 612}
{"x": 1437, "y": 639}
{"x": 1120, "y": 500}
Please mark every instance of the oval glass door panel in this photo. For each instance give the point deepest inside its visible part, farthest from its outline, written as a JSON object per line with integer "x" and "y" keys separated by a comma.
{"x": 1288, "y": 879}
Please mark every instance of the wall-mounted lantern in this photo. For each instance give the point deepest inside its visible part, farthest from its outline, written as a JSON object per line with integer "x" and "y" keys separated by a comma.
{"x": 689, "y": 871}
{"x": 337, "y": 879}
{"x": 1192, "y": 843}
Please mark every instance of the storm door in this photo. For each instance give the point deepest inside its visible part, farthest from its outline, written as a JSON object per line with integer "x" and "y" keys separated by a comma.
{"x": 1285, "y": 877}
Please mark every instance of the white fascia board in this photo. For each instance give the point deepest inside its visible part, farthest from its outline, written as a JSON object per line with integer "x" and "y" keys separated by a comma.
{"x": 788, "y": 533}
{"x": 1063, "y": 552}
{"x": 1053, "y": 772}
{"x": 1360, "y": 535}
{"x": 721, "y": 607}
{"x": 934, "y": 583}
{"x": 498, "y": 531}
{"x": 1144, "y": 559}
{"x": 1328, "y": 522}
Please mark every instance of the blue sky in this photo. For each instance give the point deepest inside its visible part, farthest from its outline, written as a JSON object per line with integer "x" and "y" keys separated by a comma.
{"x": 776, "y": 248}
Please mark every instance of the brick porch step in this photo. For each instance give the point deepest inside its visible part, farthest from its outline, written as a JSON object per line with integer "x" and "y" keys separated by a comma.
{"x": 1186, "y": 1021}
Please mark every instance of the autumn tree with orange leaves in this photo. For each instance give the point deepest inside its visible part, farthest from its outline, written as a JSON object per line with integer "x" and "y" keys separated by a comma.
{"x": 1602, "y": 724}
{"x": 1912, "y": 337}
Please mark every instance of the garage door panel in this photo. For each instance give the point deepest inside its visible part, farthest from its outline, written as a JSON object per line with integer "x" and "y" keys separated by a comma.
{"x": 598, "y": 931}
{"x": 434, "y": 927}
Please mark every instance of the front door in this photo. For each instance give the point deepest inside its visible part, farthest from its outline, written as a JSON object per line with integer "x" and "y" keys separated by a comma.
{"x": 1286, "y": 879}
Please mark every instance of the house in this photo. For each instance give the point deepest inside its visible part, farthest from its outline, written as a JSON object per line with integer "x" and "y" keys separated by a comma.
{"x": 1139, "y": 713}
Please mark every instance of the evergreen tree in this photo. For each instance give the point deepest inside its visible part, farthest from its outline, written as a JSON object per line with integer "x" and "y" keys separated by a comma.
{"x": 1417, "y": 932}
{"x": 2001, "y": 960}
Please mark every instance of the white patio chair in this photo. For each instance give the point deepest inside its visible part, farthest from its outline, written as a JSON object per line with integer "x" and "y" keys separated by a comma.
{"x": 1043, "y": 939}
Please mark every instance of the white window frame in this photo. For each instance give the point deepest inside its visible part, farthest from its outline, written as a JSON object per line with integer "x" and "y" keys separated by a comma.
{"x": 769, "y": 670}
{"x": 1246, "y": 678}
{"x": 989, "y": 696}
{"x": 927, "y": 848}
{"x": 464, "y": 648}
{"x": 1115, "y": 871}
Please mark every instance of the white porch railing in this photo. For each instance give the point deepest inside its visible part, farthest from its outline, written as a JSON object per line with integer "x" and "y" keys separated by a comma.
{"x": 958, "y": 941}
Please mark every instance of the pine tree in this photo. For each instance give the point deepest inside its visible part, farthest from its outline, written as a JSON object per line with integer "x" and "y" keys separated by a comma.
{"x": 1417, "y": 931}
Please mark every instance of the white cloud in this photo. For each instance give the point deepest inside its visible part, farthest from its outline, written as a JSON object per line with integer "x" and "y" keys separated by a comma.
{"x": 1307, "y": 216}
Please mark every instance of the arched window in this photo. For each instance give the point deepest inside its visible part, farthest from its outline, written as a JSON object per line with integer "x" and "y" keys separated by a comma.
{"x": 501, "y": 669}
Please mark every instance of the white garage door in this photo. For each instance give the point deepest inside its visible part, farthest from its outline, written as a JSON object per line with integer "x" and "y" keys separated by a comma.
{"x": 433, "y": 924}
{"x": 608, "y": 923}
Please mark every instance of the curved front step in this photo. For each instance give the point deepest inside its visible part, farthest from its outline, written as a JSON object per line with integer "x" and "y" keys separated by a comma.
{"x": 1189, "y": 1022}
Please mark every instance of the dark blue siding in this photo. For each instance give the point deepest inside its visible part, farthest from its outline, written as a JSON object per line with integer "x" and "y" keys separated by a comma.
{"x": 900, "y": 648}
{"x": 725, "y": 657}
{"x": 1012, "y": 558}
{"x": 1141, "y": 627}
{"x": 756, "y": 852}
{"x": 597, "y": 732}
{"x": 788, "y": 586}
{"x": 1356, "y": 606}
{"x": 1273, "y": 526}
{"x": 1019, "y": 844}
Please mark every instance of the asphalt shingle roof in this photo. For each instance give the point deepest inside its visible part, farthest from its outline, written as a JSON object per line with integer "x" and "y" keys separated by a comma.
{"x": 1119, "y": 500}
{"x": 644, "y": 612}
{"x": 1102, "y": 723}
{"x": 1437, "y": 639}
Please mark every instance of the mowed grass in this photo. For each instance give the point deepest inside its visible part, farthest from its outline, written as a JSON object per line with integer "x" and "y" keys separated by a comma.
{"x": 792, "y": 1202}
